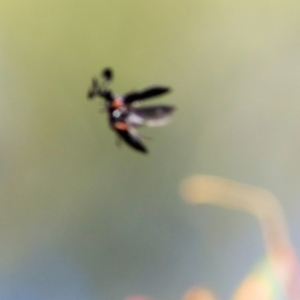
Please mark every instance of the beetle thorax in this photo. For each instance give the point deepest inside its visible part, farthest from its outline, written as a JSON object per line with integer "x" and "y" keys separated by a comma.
{"x": 117, "y": 102}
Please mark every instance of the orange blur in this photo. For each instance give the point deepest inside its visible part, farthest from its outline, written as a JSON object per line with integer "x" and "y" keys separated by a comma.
{"x": 117, "y": 103}
{"x": 121, "y": 126}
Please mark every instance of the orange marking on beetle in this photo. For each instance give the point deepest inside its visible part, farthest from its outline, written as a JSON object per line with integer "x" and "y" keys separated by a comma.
{"x": 121, "y": 126}
{"x": 117, "y": 103}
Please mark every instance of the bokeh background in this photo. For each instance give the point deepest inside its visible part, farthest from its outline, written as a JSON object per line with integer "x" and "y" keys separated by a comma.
{"x": 83, "y": 219}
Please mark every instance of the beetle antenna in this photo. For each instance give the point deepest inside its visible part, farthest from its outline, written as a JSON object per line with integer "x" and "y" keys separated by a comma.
{"x": 94, "y": 88}
{"x": 107, "y": 75}
{"x": 101, "y": 89}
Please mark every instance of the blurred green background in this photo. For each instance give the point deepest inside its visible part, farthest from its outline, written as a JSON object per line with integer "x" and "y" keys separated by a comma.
{"x": 81, "y": 218}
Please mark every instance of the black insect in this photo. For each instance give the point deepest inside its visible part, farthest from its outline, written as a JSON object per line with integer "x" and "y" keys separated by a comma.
{"x": 123, "y": 115}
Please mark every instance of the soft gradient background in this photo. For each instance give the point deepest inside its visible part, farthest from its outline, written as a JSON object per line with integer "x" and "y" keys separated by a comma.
{"x": 83, "y": 219}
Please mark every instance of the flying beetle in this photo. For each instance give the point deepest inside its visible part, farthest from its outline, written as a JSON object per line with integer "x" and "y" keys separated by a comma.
{"x": 124, "y": 117}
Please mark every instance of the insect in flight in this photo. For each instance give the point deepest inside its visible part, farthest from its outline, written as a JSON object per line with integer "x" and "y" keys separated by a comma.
{"x": 124, "y": 116}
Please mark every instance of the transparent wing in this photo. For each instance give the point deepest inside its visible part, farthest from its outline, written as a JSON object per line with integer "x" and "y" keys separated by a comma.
{"x": 152, "y": 116}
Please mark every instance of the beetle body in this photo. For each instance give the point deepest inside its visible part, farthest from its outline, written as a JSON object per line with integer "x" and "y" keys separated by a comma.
{"x": 123, "y": 115}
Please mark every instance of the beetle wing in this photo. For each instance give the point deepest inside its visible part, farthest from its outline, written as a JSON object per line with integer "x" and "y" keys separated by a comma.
{"x": 152, "y": 116}
{"x": 145, "y": 94}
{"x": 131, "y": 137}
